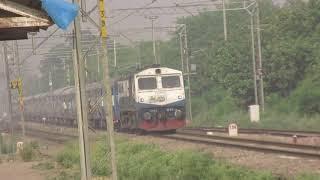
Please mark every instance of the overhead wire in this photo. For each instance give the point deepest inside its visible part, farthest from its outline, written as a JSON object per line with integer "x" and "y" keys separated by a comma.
{"x": 132, "y": 13}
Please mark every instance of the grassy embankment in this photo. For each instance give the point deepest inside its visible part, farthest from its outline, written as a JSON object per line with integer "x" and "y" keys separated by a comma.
{"x": 145, "y": 161}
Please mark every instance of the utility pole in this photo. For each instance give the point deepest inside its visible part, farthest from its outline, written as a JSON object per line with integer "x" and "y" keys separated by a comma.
{"x": 65, "y": 70}
{"x": 107, "y": 98}
{"x": 225, "y": 20}
{"x": 98, "y": 62}
{"x": 139, "y": 54}
{"x": 68, "y": 75}
{"x": 159, "y": 50}
{"x": 84, "y": 8}
{"x": 50, "y": 80}
{"x": 51, "y": 87}
{"x": 86, "y": 69}
{"x": 260, "y": 59}
{"x": 186, "y": 52}
{"x": 115, "y": 53}
{"x": 254, "y": 63}
{"x": 20, "y": 93}
{"x": 153, "y": 18}
{"x": 6, "y": 69}
{"x": 81, "y": 100}
{"x": 7, "y": 72}
{"x": 181, "y": 52}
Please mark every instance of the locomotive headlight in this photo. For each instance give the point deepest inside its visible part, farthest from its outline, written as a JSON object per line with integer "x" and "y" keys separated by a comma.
{"x": 141, "y": 100}
{"x": 179, "y": 97}
{"x": 147, "y": 116}
{"x": 178, "y": 114}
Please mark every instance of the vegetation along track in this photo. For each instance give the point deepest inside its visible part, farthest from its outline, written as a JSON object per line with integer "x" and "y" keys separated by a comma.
{"x": 198, "y": 136}
{"x": 250, "y": 144}
{"x": 274, "y": 132}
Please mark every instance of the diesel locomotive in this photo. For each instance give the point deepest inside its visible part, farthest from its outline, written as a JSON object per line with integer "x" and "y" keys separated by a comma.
{"x": 152, "y": 99}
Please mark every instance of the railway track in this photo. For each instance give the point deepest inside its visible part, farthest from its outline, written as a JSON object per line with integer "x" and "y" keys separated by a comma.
{"x": 297, "y": 150}
{"x": 284, "y": 133}
{"x": 200, "y": 137}
{"x": 50, "y": 136}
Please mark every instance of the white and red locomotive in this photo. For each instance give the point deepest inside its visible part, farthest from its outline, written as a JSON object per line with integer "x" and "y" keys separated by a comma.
{"x": 152, "y": 99}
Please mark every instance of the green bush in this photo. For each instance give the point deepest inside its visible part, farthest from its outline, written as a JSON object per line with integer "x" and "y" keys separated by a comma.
{"x": 307, "y": 97}
{"x": 147, "y": 161}
{"x": 213, "y": 107}
{"x": 144, "y": 161}
{"x": 308, "y": 177}
{"x": 66, "y": 175}
{"x": 7, "y": 144}
{"x": 100, "y": 157}
{"x": 69, "y": 156}
{"x": 294, "y": 112}
{"x": 29, "y": 151}
{"x": 44, "y": 166}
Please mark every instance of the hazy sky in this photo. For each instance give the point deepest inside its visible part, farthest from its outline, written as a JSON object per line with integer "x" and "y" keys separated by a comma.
{"x": 135, "y": 27}
{"x": 132, "y": 27}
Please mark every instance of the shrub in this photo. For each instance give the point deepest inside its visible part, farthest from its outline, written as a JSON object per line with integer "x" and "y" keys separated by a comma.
{"x": 69, "y": 156}
{"x": 28, "y": 153}
{"x": 147, "y": 161}
{"x": 309, "y": 177}
{"x": 100, "y": 156}
{"x": 65, "y": 175}
{"x": 307, "y": 96}
{"x": 7, "y": 144}
{"x": 43, "y": 166}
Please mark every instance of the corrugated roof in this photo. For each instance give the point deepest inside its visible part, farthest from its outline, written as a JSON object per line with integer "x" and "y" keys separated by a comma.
{"x": 19, "y": 17}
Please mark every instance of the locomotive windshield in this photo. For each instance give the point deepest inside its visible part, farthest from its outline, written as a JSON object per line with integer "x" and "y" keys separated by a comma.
{"x": 171, "y": 82}
{"x": 147, "y": 83}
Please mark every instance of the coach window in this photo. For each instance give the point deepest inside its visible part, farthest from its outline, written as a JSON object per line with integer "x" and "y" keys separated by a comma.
{"x": 171, "y": 82}
{"x": 147, "y": 83}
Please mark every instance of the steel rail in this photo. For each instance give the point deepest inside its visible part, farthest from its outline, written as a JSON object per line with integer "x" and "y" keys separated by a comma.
{"x": 249, "y": 144}
{"x": 50, "y": 136}
{"x": 199, "y": 136}
{"x": 249, "y": 140}
{"x": 275, "y": 132}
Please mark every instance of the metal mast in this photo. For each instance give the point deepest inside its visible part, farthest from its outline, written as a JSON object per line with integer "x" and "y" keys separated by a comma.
{"x": 81, "y": 100}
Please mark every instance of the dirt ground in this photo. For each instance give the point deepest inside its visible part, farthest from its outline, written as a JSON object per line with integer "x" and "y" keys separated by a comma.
{"x": 18, "y": 170}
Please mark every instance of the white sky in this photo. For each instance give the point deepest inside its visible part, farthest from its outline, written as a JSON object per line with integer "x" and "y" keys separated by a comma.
{"x": 136, "y": 21}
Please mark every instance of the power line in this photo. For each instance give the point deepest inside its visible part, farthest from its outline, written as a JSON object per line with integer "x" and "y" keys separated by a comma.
{"x": 190, "y": 8}
{"x": 132, "y": 13}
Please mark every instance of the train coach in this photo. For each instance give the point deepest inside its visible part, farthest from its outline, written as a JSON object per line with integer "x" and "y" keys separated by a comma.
{"x": 59, "y": 107}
